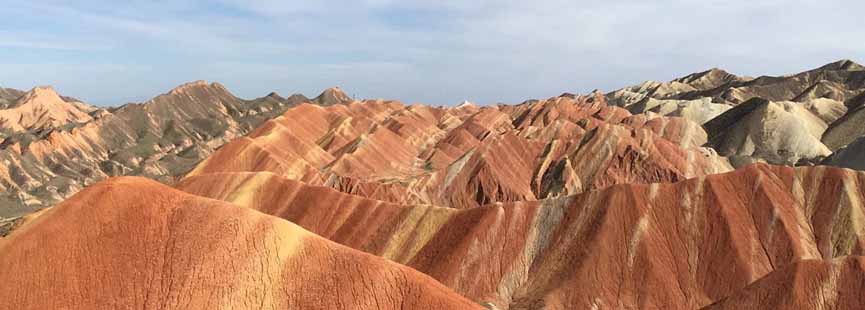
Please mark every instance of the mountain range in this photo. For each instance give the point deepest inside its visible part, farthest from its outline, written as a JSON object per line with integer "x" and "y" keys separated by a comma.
{"x": 794, "y": 119}
{"x": 710, "y": 191}
{"x": 53, "y": 146}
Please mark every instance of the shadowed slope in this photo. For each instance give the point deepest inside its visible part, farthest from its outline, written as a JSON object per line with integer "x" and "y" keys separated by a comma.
{"x": 8, "y": 97}
{"x": 850, "y": 156}
{"x": 792, "y": 119}
{"x": 134, "y": 243}
{"x": 681, "y": 245}
{"x": 778, "y": 132}
{"x": 809, "y": 284}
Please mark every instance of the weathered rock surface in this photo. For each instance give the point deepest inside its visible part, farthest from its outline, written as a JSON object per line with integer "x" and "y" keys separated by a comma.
{"x": 41, "y": 109}
{"x": 331, "y": 96}
{"x": 679, "y": 245}
{"x": 569, "y": 202}
{"x": 778, "y": 132}
{"x": 468, "y": 156}
{"x": 808, "y": 284}
{"x": 9, "y": 96}
{"x": 798, "y": 118}
{"x": 55, "y": 148}
{"x": 132, "y": 243}
{"x": 850, "y": 156}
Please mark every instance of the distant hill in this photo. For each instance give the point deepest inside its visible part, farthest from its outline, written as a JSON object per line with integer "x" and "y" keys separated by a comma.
{"x": 793, "y": 119}
{"x": 52, "y": 148}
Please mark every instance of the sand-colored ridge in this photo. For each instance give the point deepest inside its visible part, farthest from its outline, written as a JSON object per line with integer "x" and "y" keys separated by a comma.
{"x": 41, "y": 109}
{"x": 131, "y": 243}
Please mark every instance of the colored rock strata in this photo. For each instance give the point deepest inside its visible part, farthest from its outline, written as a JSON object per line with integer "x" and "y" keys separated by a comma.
{"x": 52, "y": 148}
{"x": 711, "y": 191}
{"x": 467, "y": 156}
{"x": 134, "y": 243}
{"x": 680, "y": 245}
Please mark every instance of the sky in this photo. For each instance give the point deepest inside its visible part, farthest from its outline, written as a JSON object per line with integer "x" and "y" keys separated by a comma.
{"x": 438, "y": 52}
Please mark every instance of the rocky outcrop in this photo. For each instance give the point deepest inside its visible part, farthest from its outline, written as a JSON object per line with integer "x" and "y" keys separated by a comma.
{"x": 134, "y": 243}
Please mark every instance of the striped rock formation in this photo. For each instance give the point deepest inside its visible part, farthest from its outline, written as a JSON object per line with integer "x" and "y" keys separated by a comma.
{"x": 57, "y": 146}
{"x": 562, "y": 203}
{"x": 132, "y": 243}
{"x": 467, "y": 156}
{"x": 787, "y": 120}
{"x": 807, "y": 284}
{"x": 680, "y": 245}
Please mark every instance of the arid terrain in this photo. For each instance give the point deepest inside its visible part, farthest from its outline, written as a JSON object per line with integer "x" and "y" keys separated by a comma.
{"x": 710, "y": 191}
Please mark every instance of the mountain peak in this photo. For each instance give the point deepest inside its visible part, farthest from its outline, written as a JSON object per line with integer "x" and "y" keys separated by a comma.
{"x": 296, "y": 99}
{"x": 466, "y": 104}
{"x": 183, "y": 88}
{"x": 334, "y": 91}
{"x": 331, "y": 96}
{"x": 40, "y": 94}
{"x": 42, "y": 108}
{"x": 843, "y": 64}
{"x": 708, "y": 79}
{"x": 275, "y": 95}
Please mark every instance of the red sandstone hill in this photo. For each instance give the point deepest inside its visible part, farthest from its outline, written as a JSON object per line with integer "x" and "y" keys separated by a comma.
{"x": 682, "y": 246}
{"x": 132, "y": 243}
{"x": 468, "y": 156}
{"x": 562, "y": 203}
{"x": 808, "y": 284}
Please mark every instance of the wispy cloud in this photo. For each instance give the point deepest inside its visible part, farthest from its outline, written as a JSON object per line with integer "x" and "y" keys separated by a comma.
{"x": 425, "y": 50}
{"x": 29, "y": 40}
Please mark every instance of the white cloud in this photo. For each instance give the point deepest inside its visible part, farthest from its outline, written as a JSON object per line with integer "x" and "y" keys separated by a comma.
{"x": 444, "y": 51}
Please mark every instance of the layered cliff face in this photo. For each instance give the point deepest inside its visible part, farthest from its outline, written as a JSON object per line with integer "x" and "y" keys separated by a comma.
{"x": 132, "y": 243}
{"x": 794, "y": 119}
{"x": 679, "y": 245}
{"x": 54, "y": 148}
{"x": 467, "y": 156}
{"x": 618, "y": 201}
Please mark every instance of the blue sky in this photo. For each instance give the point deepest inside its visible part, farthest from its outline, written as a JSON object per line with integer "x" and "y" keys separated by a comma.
{"x": 436, "y": 52}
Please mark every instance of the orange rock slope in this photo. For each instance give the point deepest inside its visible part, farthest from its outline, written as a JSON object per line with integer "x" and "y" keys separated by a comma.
{"x": 563, "y": 203}
{"x": 468, "y": 156}
{"x": 132, "y": 243}
{"x": 674, "y": 246}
